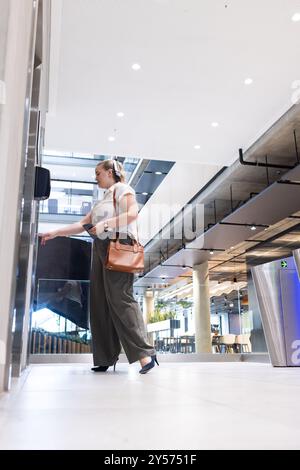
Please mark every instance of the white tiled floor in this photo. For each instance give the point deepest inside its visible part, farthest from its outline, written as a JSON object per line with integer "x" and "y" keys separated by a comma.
{"x": 175, "y": 406}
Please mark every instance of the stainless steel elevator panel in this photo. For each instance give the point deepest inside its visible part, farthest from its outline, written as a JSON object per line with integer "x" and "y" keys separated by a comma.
{"x": 296, "y": 255}
{"x": 278, "y": 293}
{"x": 290, "y": 296}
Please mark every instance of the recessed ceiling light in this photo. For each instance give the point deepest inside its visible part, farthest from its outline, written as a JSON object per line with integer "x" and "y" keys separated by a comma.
{"x": 253, "y": 227}
{"x": 145, "y": 194}
{"x": 158, "y": 173}
{"x": 135, "y": 66}
{"x": 111, "y": 138}
{"x": 296, "y": 17}
{"x": 211, "y": 252}
{"x": 248, "y": 81}
{"x": 215, "y": 124}
{"x": 196, "y": 147}
{"x": 120, "y": 114}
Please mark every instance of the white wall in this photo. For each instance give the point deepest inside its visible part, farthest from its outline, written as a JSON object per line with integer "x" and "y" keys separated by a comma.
{"x": 178, "y": 187}
{"x": 11, "y": 136}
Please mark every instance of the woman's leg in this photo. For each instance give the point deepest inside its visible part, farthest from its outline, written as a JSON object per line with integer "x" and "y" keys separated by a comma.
{"x": 126, "y": 314}
{"x": 105, "y": 340}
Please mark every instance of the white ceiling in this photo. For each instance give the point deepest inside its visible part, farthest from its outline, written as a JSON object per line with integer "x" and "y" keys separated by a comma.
{"x": 194, "y": 57}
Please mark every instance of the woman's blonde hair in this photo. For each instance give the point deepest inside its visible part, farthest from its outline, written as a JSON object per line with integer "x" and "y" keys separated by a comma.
{"x": 116, "y": 167}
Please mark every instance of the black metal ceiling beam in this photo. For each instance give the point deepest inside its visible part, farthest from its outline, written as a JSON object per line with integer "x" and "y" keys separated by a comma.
{"x": 205, "y": 249}
{"x": 155, "y": 173}
{"x": 176, "y": 266}
{"x": 260, "y": 164}
{"x": 296, "y": 183}
{"x": 296, "y": 146}
{"x": 244, "y": 225}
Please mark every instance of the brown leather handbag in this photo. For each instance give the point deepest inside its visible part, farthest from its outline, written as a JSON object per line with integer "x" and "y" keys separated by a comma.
{"x": 124, "y": 258}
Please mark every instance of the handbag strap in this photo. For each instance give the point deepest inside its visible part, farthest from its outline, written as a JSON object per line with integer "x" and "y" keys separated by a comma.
{"x": 116, "y": 215}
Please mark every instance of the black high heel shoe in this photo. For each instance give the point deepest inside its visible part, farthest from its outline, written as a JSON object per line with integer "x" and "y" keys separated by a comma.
{"x": 150, "y": 365}
{"x": 104, "y": 368}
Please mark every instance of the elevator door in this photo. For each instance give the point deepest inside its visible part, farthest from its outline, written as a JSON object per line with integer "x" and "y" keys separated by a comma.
{"x": 290, "y": 297}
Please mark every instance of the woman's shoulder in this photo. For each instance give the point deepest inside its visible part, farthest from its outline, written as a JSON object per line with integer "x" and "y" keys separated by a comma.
{"x": 125, "y": 187}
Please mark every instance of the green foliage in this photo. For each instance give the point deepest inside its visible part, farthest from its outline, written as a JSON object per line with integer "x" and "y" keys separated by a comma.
{"x": 163, "y": 310}
{"x": 161, "y": 316}
{"x": 161, "y": 304}
{"x": 185, "y": 303}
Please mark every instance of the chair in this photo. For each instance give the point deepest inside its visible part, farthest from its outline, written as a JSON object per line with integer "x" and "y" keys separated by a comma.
{"x": 159, "y": 344}
{"x": 215, "y": 343}
{"x": 85, "y": 207}
{"x": 243, "y": 342}
{"x": 170, "y": 344}
{"x": 52, "y": 206}
{"x": 228, "y": 341}
{"x": 187, "y": 344}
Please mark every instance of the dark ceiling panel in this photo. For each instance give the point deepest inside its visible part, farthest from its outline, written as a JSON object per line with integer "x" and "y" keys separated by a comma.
{"x": 148, "y": 182}
{"x": 141, "y": 199}
{"x": 158, "y": 165}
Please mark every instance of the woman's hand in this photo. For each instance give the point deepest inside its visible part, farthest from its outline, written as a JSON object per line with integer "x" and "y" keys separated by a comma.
{"x": 97, "y": 229}
{"x": 47, "y": 236}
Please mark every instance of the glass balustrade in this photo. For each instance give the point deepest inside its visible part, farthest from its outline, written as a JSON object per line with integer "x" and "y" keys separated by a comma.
{"x": 59, "y": 322}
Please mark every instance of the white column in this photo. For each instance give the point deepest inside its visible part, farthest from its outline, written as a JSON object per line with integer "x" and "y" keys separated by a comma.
{"x": 14, "y": 72}
{"x": 148, "y": 305}
{"x": 148, "y": 309}
{"x": 202, "y": 308}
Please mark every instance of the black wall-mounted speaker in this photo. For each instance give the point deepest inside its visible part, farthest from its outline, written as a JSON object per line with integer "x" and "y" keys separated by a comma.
{"x": 42, "y": 186}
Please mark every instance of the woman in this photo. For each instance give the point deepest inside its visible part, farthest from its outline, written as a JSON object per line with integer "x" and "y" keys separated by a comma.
{"x": 115, "y": 316}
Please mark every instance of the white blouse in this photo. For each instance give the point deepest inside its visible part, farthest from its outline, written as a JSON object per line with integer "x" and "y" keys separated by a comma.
{"x": 104, "y": 209}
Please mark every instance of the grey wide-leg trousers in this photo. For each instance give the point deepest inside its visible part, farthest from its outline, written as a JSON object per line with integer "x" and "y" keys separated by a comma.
{"x": 115, "y": 316}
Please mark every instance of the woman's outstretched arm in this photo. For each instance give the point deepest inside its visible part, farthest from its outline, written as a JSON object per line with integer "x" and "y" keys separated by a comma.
{"x": 71, "y": 229}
